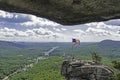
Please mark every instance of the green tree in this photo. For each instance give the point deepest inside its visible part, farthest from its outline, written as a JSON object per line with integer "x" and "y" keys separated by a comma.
{"x": 96, "y": 57}
{"x": 116, "y": 65}
{"x": 117, "y": 76}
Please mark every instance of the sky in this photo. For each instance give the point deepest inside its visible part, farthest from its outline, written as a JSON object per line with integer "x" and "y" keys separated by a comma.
{"x": 30, "y": 28}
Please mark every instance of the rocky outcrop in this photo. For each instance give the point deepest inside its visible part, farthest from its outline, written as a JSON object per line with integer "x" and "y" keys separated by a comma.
{"x": 85, "y": 70}
{"x": 67, "y": 12}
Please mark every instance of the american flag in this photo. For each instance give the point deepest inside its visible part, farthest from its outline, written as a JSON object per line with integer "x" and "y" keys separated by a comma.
{"x": 75, "y": 41}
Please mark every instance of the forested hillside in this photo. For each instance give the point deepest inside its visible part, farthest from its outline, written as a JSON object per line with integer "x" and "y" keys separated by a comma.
{"x": 16, "y": 55}
{"x": 46, "y": 69}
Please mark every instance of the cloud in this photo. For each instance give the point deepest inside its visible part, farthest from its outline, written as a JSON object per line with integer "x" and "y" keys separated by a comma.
{"x": 37, "y": 34}
{"x": 79, "y": 31}
{"x": 6, "y": 32}
{"x": 104, "y": 25}
{"x": 63, "y": 29}
{"x": 101, "y": 25}
{"x": 25, "y": 19}
{"x": 114, "y": 22}
{"x": 36, "y": 21}
{"x": 102, "y": 29}
{"x": 13, "y": 17}
{"x": 56, "y": 29}
{"x": 25, "y": 27}
{"x": 99, "y": 32}
{"x": 4, "y": 14}
{"x": 42, "y": 31}
{"x": 118, "y": 32}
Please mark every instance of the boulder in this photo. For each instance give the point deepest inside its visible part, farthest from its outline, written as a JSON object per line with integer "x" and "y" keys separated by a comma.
{"x": 85, "y": 70}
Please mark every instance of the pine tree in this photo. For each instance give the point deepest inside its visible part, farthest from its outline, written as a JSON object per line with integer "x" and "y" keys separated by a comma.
{"x": 95, "y": 57}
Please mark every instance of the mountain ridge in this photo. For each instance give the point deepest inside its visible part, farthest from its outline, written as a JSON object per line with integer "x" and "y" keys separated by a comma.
{"x": 106, "y": 48}
{"x": 10, "y": 45}
{"x": 109, "y": 43}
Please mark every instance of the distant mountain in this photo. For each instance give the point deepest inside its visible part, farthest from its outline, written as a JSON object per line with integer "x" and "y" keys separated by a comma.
{"x": 109, "y": 43}
{"x": 108, "y": 48}
{"x": 10, "y": 45}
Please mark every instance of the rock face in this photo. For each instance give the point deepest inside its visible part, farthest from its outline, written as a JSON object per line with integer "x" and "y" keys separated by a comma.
{"x": 67, "y": 12}
{"x": 85, "y": 70}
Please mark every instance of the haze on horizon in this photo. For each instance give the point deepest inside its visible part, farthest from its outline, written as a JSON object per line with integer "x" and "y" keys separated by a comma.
{"x": 29, "y": 28}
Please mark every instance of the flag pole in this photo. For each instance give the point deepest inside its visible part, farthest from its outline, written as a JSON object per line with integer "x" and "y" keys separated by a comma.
{"x": 74, "y": 42}
{"x": 72, "y": 52}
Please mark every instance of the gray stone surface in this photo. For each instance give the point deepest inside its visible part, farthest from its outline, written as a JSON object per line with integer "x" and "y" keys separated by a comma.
{"x": 85, "y": 70}
{"x": 67, "y": 12}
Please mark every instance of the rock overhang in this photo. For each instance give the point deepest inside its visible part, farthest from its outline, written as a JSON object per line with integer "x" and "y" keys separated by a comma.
{"x": 66, "y": 12}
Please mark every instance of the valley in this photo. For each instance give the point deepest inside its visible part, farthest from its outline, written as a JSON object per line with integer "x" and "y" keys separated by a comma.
{"x": 32, "y": 61}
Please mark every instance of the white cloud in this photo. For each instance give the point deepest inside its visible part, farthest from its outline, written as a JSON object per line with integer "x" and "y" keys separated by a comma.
{"x": 30, "y": 32}
{"x": 56, "y": 29}
{"x": 79, "y": 31}
{"x": 4, "y": 14}
{"x": 12, "y": 33}
{"x": 118, "y": 32}
{"x": 92, "y": 24}
{"x": 24, "y": 27}
{"x": 37, "y": 34}
{"x": 36, "y": 21}
{"x": 101, "y": 25}
{"x": 114, "y": 22}
{"x": 63, "y": 29}
{"x": 42, "y": 31}
{"x": 99, "y": 32}
{"x": 94, "y": 30}
{"x": 26, "y": 20}
{"x": 105, "y": 26}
